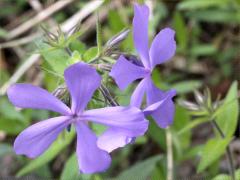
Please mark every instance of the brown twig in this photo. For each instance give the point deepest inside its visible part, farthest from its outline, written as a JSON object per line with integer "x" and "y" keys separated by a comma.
{"x": 38, "y": 18}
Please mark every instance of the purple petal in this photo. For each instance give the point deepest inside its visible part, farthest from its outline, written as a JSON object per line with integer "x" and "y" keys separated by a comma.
{"x": 128, "y": 119}
{"x": 140, "y": 32}
{"x": 163, "y": 47}
{"x": 29, "y": 96}
{"x": 125, "y": 72}
{"x": 82, "y": 80}
{"x": 112, "y": 139}
{"x": 91, "y": 159}
{"x": 34, "y": 140}
{"x": 164, "y": 114}
{"x": 153, "y": 107}
{"x": 138, "y": 94}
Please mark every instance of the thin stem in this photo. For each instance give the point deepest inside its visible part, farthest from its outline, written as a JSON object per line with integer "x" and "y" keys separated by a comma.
{"x": 68, "y": 50}
{"x": 229, "y": 154}
{"x": 104, "y": 90}
{"x": 169, "y": 155}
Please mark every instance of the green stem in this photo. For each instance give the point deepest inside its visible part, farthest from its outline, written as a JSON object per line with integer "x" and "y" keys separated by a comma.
{"x": 169, "y": 155}
{"x": 68, "y": 51}
{"x": 229, "y": 154}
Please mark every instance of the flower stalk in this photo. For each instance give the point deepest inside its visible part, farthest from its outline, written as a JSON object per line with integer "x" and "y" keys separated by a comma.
{"x": 169, "y": 155}
{"x": 228, "y": 151}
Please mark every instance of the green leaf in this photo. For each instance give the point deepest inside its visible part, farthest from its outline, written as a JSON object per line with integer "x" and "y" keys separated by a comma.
{"x": 157, "y": 134}
{"x": 118, "y": 25}
{"x": 77, "y": 46}
{"x": 141, "y": 170}
{"x": 216, "y": 16}
{"x": 194, "y": 123}
{"x": 212, "y": 151}
{"x": 11, "y": 122}
{"x": 49, "y": 155}
{"x": 98, "y": 128}
{"x": 222, "y": 177}
{"x": 71, "y": 170}
{"x": 228, "y": 117}
{"x": 8, "y": 111}
{"x": 203, "y": 50}
{"x": 227, "y": 177}
{"x": 181, "y": 120}
{"x": 12, "y": 127}
{"x": 196, "y": 4}
{"x": 56, "y": 58}
{"x": 186, "y": 86}
{"x": 76, "y": 57}
{"x": 90, "y": 54}
{"x": 191, "y": 153}
{"x": 181, "y": 30}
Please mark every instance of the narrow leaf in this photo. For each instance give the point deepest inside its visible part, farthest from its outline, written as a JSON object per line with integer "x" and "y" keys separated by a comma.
{"x": 212, "y": 151}
{"x": 228, "y": 117}
{"x": 71, "y": 170}
{"x": 141, "y": 170}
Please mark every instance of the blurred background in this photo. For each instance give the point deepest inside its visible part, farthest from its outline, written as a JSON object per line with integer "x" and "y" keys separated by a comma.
{"x": 208, "y": 43}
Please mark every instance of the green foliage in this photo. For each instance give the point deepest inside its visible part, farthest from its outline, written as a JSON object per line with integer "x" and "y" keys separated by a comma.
{"x": 216, "y": 16}
{"x": 141, "y": 170}
{"x": 181, "y": 120}
{"x": 227, "y": 119}
{"x": 11, "y": 121}
{"x": 203, "y": 50}
{"x": 158, "y": 135}
{"x": 227, "y": 177}
{"x": 56, "y": 58}
{"x": 181, "y": 31}
{"x": 71, "y": 170}
{"x": 212, "y": 151}
{"x": 194, "y": 123}
{"x": 186, "y": 86}
{"x": 76, "y": 57}
{"x": 195, "y": 4}
{"x": 78, "y": 46}
{"x": 90, "y": 54}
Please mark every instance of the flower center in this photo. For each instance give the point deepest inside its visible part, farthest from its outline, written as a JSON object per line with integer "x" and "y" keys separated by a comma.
{"x": 148, "y": 71}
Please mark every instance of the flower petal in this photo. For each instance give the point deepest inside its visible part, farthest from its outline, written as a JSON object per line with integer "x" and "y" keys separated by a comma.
{"x": 153, "y": 107}
{"x": 125, "y": 72}
{"x": 163, "y": 47}
{"x": 82, "y": 80}
{"x": 112, "y": 139}
{"x": 128, "y": 119}
{"x": 164, "y": 114}
{"x": 29, "y": 96}
{"x": 34, "y": 140}
{"x": 138, "y": 94}
{"x": 140, "y": 32}
{"x": 91, "y": 159}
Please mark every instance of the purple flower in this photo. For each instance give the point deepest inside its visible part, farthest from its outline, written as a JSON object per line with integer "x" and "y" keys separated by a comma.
{"x": 82, "y": 81}
{"x": 124, "y": 72}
